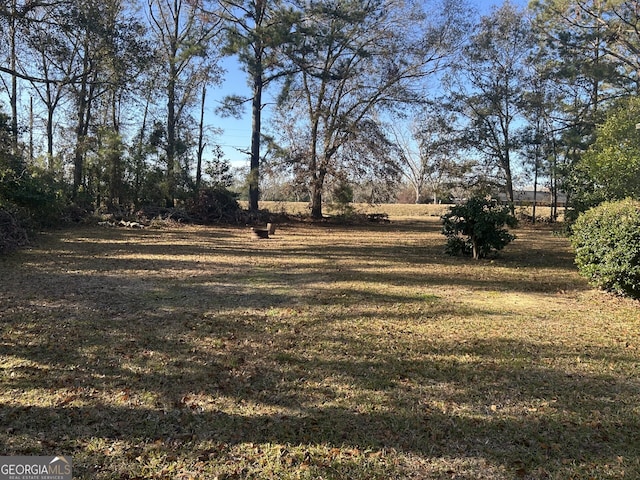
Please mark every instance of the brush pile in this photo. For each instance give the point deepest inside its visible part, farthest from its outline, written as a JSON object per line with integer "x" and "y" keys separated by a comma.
{"x": 12, "y": 235}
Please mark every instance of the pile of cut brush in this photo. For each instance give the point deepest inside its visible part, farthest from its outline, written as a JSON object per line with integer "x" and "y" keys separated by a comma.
{"x": 12, "y": 235}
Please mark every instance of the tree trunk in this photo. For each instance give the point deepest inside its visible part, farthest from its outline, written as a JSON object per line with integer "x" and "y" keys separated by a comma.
{"x": 78, "y": 162}
{"x": 139, "y": 157}
{"x": 200, "y": 142}
{"x": 509, "y": 178}
{"x": 256, "y": 125}
{"x": 553, "y": 182}
{"x": 476, "y": 250}
{"x": 535, "y": 186}
{"x": 171, "y": 136}
{"x": 171, "y": 108}
{"x": 14, "y": 80}
{"x": 317, "y": 186}
{"x": 50, "y": 109}
{"x": 30, "y": 129}
{"x": 316, "y": 200}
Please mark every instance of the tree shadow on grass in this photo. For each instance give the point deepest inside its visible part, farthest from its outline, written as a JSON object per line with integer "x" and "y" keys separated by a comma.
{"x": 587, "y": 421}
{"x": 443, "y": 399}
{"x": 221, "y": 258}
{"x": 90, "y": 328}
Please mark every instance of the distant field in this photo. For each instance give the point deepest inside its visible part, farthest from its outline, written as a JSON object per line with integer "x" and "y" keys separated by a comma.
{"x": 324, "y": 352}
{"x": 397, "y": 210}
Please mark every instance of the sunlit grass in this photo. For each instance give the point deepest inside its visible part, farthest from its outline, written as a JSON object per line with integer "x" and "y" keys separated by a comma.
{"x": 322, "y": 352}
{"x": 393, "y": 210}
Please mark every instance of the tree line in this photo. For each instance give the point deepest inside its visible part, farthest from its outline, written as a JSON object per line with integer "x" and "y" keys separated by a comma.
{"x": 104, "y": 100}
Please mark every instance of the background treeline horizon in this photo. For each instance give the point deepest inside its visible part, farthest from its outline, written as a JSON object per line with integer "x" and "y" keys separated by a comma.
{"x": 103, "y": 102}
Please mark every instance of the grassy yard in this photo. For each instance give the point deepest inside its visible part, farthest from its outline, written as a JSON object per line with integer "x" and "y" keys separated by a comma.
{"x": 394, "y": 210}
{"x": 324, "y": 352}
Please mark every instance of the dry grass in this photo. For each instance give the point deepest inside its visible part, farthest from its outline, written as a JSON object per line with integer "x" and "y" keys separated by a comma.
{"x": 393, "y": 210}
{"x": 324, "y": 352}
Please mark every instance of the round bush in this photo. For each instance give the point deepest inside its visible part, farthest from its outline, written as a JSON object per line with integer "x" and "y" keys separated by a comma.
{"x": 606, "y": 239}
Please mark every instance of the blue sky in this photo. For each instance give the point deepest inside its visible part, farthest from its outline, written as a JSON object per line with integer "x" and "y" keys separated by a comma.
{"x": 237, "y": 132}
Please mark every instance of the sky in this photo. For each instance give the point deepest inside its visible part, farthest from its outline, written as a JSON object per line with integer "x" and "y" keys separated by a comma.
{"x": 237, "y": 132}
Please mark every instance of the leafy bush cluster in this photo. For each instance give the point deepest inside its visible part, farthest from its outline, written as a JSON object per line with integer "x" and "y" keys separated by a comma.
{"x": 29, "y": 196}
{"x": 476, "y": 227}
{"x": 606, "y": 239}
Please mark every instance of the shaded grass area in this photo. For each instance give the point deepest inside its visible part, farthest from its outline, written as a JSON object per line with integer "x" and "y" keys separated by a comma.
{"x": 323, "y": 352}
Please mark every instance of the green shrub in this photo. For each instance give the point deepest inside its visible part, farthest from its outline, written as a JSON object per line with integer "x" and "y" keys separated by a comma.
{"x": 476, "y": 227}
{"x": 342, "y": 195}
{"x": 606, "y": 239}
{"x": 30, "y": 191}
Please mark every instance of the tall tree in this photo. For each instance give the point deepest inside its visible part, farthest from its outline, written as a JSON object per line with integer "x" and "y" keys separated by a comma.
{"x": 536, "y": 136}
{"x": 356, "y": 59}
{"x": 103, "y": 56}
{"x": 127, "y": 55}
{"x": 16, "y": 16}
{"x": 427, "y": 152}
{"x": 184, "y": 31}
{"x": 257, "y": 32}
{"x": 582, "y": 41}
{"x": 95, "y": 51}
{"x": 86, "y": 41}
{"x": 49, "y": 54}
{"x": 13, "y": 91}
{"x": 487, "y": 87}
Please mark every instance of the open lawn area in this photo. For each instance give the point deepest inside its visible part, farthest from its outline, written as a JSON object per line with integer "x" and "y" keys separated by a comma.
{"x": 325, "y": 351}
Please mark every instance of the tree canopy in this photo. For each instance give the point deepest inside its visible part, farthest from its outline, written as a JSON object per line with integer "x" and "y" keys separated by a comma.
{"x": 105, "y": 100}
{"x": 612, "y": 163}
